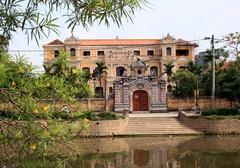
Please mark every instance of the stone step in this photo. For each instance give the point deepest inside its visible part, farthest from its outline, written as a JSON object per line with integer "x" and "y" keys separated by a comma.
{"x": 156, "y": 126}
{"x": 153, "y": 118}
{"x": 149, "y": 132}
{"x": 154, "y": 123}
{"x": 135, "y": 129}
{"x": 161, "y": 133}
{"x": 161, "y": 128}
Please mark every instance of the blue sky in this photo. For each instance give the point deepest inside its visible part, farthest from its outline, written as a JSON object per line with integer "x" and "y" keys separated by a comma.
{"x": 187, "y": 19}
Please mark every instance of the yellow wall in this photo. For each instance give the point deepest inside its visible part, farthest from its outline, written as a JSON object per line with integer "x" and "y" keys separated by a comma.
{"x": 123, "y": 56}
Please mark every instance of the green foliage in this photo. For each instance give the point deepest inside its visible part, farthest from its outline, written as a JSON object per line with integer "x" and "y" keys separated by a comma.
{"x": 100, "y": 70}
{"x": 168, "y": 70}
{"x": 25, "y": 92}
{"x": 90, "y": 115}
{"x": 206, "y": 83}
{"x": 20, "y": 87}
{"x": 220, "y": 117}
{"x": 108, "y": 116}
{"x": 228, "y": 83}
{"x": 221, "y": 112}
{"x": 184, "y": 83}
{"x": 68, "y": 77}
{"x": 221, "y": 55}
{"x": 99, "y": 116}
{"x": 27, "y": 16}
{"x": 193, "y": 68}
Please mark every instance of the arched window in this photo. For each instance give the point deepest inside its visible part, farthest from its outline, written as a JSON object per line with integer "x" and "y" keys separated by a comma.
{"x": 72, "y": 52}
{"x": 119, "y": 71}
{"x": 154, "y": 70}
{"x": 169, "y": 51}
{"x": 86, "y": 69}
{"x": 99, "y": 92}
{"x": 56, "y": 53}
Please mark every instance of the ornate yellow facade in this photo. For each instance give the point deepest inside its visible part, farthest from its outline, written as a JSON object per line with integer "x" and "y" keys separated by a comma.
{"x": 119, "y": 54}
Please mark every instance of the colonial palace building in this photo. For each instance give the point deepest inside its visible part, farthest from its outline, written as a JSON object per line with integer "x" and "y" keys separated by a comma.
{"x": 120, "y": 55}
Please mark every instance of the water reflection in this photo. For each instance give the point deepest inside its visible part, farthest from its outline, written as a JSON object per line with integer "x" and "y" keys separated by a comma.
{"x": 150, "y": 152}
{"x": 164, "y": 152}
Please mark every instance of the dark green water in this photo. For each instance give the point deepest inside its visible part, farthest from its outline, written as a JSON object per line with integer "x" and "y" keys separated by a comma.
{"x": 140, "y": 152}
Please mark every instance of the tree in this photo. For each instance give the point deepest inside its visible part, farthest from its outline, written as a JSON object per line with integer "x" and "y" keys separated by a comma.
{"x": 193, "y": 68}
{"x": 27, "y": 16}
{"x": 100, "y": 71}
{"x": 73, "y": 78}
{"x": 184, "y": 83}
{"x": 221, "y": 56}
{"x": 25, "y": 95}
{"x": 21, "y": 88}
{"x": 232, "y": 43}
{"x": 58, "y": 67}
{"x": 168, "y": 70}
{"x": 228, "y": 83}
{"x": 206, "y": 83}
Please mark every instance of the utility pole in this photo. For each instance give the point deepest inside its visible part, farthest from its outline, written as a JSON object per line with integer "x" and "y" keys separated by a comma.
{"x": 213, "y": 73}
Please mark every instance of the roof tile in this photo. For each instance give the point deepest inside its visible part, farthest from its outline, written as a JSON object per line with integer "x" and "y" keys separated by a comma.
{"x": 56, "y": 42}
{"x": 94, "y": 42}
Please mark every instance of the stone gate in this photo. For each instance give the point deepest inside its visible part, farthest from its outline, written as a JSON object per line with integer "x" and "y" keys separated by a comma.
{"x": 138, "y": 92}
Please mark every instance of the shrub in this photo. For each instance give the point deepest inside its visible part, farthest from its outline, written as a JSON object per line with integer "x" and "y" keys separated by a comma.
{"x": 61, "y": 115}
{"x": 9, "y": 114}
{"x": 90, "y": 115}
{"x": 221, "y": 112}
{"x": 109, "y": 116}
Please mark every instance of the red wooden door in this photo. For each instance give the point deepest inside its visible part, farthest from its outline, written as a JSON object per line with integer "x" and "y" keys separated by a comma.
{"x": 140, "y": 100}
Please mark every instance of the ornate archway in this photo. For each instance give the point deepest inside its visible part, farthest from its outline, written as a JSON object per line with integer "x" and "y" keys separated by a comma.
{"x": 138, "y": 92}
{"x": 140, "y": 100}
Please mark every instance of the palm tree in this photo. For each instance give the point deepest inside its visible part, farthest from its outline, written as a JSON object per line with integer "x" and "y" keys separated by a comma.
{"x": 100, "y": 72}
{"x": 168, "y": 70}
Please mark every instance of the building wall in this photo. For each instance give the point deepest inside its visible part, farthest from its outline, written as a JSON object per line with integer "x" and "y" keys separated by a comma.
{"x": 96, "y": 104}
{"x": 204, "y": 103}
{"x": 122, "y": 55}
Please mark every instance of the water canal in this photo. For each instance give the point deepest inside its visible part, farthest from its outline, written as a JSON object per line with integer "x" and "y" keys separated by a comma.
{"x": 139, "y": 152}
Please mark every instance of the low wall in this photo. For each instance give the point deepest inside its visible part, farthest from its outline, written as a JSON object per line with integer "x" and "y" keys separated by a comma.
{"x": 207, "y": 126}
{"x": 189, "y": 103}
{"x": 87, "y": 104}
{"x": 98, "y": 104}
{"x": 102, "y": 128}
{"x": 105, "y": 127}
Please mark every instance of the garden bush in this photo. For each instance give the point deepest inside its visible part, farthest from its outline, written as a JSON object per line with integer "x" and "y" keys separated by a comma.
{"x": 98, "y": 116}
{"x": 222, "y": 112}
{"x": 109, "y": 116}
{"x": 79, "y": 115}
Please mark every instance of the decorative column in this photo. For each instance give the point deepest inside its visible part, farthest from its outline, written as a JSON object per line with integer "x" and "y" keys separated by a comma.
{"x": 126, "y": 96}
{"x": 163, "y": 92}
{"x": 117, "y": 97}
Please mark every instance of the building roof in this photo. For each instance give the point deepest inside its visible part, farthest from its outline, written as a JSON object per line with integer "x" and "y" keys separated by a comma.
{"x": 117, "y": 41}
{"x": 112, "y": 42}
{"x": 56, "y": 42}
{"x": 184, "y": 42}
